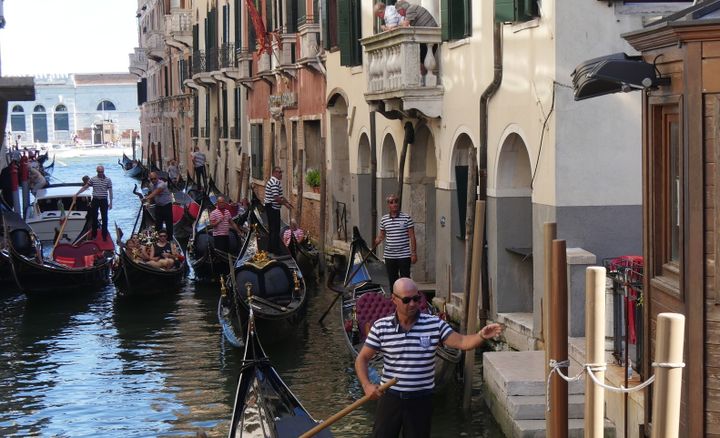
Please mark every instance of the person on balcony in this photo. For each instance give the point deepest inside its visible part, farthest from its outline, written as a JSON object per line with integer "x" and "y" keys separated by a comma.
{"x": 417, "y": 16}
{"x": 388, "y": 14}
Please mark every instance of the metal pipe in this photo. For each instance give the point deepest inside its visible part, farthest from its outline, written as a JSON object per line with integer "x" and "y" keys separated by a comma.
{"x": 373, "y": 175}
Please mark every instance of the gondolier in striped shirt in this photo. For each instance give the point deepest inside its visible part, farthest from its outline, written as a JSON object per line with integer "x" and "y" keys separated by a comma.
{"x": 274, "y": 200}
{"x": 400, "y": 251}
{"x": 163, "y": 204}
{"x": 408, "y": 340}
{"x": 221, "y": 221}
{"x": 198, "y": 160}
{"x": 102, "y": 196}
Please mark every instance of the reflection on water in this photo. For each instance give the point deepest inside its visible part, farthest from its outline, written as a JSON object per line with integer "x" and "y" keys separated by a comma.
{"x": 102, "y": 365}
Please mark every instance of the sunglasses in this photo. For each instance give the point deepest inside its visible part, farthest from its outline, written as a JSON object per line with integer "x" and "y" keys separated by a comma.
{"x": 406, "y": 300}
{"x": 392, "y": 201}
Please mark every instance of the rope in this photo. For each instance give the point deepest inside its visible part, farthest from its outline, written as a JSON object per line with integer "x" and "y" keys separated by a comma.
{"x": 591, "y": 369}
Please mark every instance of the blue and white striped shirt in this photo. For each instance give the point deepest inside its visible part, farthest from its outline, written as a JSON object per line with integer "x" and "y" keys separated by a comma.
{"x": 409, "y": 356}
{"x": 273, "y": 188}
{"x": 397, "y": 240}
{"x": 100, "y": 186}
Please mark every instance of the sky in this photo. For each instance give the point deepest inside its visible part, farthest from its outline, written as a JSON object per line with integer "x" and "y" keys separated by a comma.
{"x": 67, "y": 36}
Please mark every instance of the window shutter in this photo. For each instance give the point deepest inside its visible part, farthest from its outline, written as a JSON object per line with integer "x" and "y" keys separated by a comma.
{"x": 467, "y": 17}
{"x": 356, "y": 33}
{"x": 344, "y": 13}
{"x": 325, "y": 26}
{"x": 238, "y": 23}
{"x": 300, "y": 11}
{"x": 269, "y": 26}
{"x": 445, "y": 19}
{"x": 457, "y": 19}
{"x": 505, "y": 10}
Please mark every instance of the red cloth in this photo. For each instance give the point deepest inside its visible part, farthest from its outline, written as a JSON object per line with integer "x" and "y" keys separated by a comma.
{"x": 632, "y": 269}
{"x": 260, "y": 32}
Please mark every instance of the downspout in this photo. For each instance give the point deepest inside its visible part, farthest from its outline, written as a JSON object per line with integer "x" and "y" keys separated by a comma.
{"x": 483, "y": 154}
{"x": 373, "y": 175}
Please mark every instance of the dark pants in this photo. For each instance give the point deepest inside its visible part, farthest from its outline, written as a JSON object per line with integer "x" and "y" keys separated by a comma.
{"x": 413, "y": 415}
{"x": 163, "y": 215}
{"x": 200, "y": 176}
{"x": 222, "y": 243}
{"x": 397, "y": 268}
{"x": 273, "y": 216}
{"x": 102, "y": 205}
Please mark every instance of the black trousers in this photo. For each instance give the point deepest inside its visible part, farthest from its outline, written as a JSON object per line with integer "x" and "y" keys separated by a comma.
{"x": 102, "y": 205}
{"x": 200, "y": 176}
{"x": 222, "y": 243}
{"x": 397, "y": 268}
{"x": 163, "y": 215}
{"x": 273, "y": 216}
{"x": 411, "y": 415}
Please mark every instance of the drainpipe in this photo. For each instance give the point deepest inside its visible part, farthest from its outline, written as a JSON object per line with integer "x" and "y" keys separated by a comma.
{"x": 373, "y": 176}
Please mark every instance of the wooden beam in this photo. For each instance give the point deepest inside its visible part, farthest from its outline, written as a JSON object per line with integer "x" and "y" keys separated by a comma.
{"x": 17, "y": 88}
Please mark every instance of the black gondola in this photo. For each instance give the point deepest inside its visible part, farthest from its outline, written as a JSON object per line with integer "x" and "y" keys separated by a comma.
{"x": 364, "y": 301}
{"x": 133, "y": 168}
{"x": 264, "y": 405}
{"x": 81, "y": 267}
{"x": 306, "y": 256}
{"x": 135, "y": 277}
{"x": 48, "y": 170}
{"x": 209, "y": 263}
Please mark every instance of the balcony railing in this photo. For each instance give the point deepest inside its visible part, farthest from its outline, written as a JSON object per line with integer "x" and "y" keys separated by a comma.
{"x": 395, "y": 70}
{"x": 138, "y": 62}
{"x": 178, "y": 27}
{"x": 154, "y": 45}
{"x": 227, "y": 56}
{"x": 211, "y": 60}
{"x": 235, "y": 132}
{"x": 198, "y": 62}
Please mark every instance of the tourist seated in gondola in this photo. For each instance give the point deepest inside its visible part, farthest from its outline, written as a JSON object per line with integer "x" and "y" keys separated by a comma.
{"x": 164, "y": 252}
{"x": 293, "y": 230}
{"x": 133, "y": 248}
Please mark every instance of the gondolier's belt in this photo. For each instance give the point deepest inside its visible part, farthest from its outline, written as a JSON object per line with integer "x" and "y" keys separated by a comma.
{"x": 410, "y": 394}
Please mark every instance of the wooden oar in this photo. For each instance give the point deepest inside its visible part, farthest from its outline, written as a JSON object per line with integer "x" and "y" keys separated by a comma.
{"x": 315, "y": 430}
{"x": 62, "y": 228}
{"x": 339, "y": 294}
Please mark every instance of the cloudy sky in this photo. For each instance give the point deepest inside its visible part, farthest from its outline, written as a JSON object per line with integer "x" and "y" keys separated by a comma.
{"x": 67, "y": 36}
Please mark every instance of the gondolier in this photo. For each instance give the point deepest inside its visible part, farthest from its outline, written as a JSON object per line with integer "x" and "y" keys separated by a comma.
{"x": 398, "y": 230}
{"x": 221, "y": 221}
{"x": 102, "y": 197}
{"x": 408, "y": 340}
{"x": 198, "y": 159}
{"x": 163, "y": 204}
{"x": 274, "y": 200}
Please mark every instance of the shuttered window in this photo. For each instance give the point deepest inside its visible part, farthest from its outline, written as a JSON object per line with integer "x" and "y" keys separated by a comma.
{"x": 455, "y": 19}
{"x": 329, "y": 26}
{"x": 349, "y": 32}
{"x": 256, "y": 144}
{"x": 61, "y": 118}
{"x": 292, "y": 10}
{"x": 516, "y": 10}
{"x": 17, "y": 119}
{"x": 238, "y": 23}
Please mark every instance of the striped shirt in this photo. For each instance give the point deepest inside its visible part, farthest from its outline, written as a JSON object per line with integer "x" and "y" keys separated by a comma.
{"x": 273, "y": 188}
{"x": 164, "y": 197}
{"x": 417, "y": 15}
{"x": 397, "y": 241}
{"x": 198, "y": 159}
{"x": 409, "y": 356}
{"x": 221, "y": 219}
{"x": 100, "y": 186}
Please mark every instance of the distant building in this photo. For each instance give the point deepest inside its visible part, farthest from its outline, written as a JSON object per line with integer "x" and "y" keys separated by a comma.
{"x": 89, "y": 108}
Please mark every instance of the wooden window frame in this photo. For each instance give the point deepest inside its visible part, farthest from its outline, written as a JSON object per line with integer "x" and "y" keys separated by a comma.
{"x": 716, "y": 146}
{"x": 665, "y": 273}
{"x": 455, "y": 19}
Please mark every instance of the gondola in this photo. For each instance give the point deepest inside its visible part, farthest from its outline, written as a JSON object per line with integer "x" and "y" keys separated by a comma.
{"x": 133, "y": 168}
{"x": 264, "y": 405}
{"x": 80, "y": 267}
{"x": 306, "y": 256}
{"x": 48, "y": 170}
{"x": 7, "y": 282}
{"x": 364, "y": 301}
{"x": 208, "y": 263}
{"x": 134, "y": 277}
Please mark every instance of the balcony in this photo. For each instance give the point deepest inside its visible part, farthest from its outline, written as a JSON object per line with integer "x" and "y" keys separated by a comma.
{"x": 228, "y": 70}
{"x": 138, "y": 62}
{"x": 178, "y": 28}
{"x": 244, "y": 60}
{"x": 202, "y": 67}
{"x": 154, "y": 45}
{"x": 398, "y": 86}
{"x": 310, "y": 46}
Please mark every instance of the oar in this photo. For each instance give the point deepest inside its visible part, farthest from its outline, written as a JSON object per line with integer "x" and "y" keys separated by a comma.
{"x": 339, "y": 294}
{"x": 62, "y": 228}
{"x": 315, "y": 430}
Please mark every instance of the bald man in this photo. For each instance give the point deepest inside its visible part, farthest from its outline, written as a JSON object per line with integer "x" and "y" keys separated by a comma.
{"x": 102, "y": 196}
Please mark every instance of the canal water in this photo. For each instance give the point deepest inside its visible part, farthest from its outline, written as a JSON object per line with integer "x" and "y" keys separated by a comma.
{"x": 99, "y": 365}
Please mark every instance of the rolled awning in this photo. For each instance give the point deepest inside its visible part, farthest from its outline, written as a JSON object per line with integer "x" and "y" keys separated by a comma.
{"x": 614, "y": 73}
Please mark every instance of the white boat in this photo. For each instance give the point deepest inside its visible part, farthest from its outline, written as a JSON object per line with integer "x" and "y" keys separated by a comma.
{"x": 45, "y": 213}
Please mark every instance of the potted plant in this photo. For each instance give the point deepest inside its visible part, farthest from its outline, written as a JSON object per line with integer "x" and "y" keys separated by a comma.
{"x": 312, "y": 178}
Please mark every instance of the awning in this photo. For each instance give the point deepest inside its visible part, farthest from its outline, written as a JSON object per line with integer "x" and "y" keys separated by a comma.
{"x": 614, "y": 73}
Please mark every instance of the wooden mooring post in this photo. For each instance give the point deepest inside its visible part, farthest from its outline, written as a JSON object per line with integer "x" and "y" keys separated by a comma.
{"x": 669, "y": 338}
{"x": 595, "y": 347}
{"x": 557, "y": 342}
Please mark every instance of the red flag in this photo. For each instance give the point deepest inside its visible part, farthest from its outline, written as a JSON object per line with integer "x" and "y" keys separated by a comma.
{"x": 259, "y": 26}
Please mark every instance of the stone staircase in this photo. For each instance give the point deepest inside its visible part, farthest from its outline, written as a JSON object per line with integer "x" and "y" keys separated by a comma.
{"x": 514, "y": 389}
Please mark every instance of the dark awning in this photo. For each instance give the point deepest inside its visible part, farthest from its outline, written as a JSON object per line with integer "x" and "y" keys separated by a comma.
{"x": 612, "y": 74}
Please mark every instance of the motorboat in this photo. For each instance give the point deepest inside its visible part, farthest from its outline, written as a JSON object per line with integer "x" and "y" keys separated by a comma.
{"x": 51, "y": 205}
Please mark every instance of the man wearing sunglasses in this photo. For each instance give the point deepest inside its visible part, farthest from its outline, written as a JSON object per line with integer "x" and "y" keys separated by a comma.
{"x": 398, "y": 230}
{"x": 408, "y": 340}
{"x": 163, "y": 204}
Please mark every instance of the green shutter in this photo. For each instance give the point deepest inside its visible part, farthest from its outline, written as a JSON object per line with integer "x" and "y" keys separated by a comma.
{"x": 526, "y": 10}
{"x": 356, "y": 32}
{"x": 300, "y": 12}
{"x": 505, "y": 10}
{"x": 467, "y": 17}
{"x": 344, "y": 13}
{"x": 269, "y": 16}
{"x": 324, "y": 30}
{"x": 457, "y": 19}
{"x": 445, "y": 19}
{"x": 238, "y": 24}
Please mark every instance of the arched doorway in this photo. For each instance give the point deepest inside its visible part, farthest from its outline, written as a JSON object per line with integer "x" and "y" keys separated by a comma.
{"x": 419, "y": 200}
{"x": 460, "y": 172}
{"x": 362, "y": 185}
{"x": 339, "y": 188}
{"x": 510, "y": 244}
{"x": 387, "y": 178}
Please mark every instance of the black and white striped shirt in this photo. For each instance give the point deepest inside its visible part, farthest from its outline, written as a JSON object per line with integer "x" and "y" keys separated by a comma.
{"x": 409, "y": 356}
{"x": 397, "y": 241}
{"x": 100, "y": 187}
{"x": 273, "y": 188}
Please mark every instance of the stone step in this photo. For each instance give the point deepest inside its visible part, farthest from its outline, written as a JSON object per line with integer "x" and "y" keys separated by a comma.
{"x": 536, "y": 429}
{"x": 521, "y": 373}
{"x": 532, "y": 407}
{"x": 457, "y": 299}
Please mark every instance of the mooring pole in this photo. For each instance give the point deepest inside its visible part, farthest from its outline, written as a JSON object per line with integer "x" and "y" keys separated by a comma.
{"x": 473, "y": 294}
{"x": 549, "y": 234}
{"x": 557, "y": 421}
{"x": 669, "y": 338}
{"x": 595, "y": 346}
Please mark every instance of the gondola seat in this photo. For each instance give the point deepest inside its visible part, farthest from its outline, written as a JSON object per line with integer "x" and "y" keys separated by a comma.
{"x": 22, "y": 242}
{"x": 81, "y": 256}
{"x": 372, "y": 306}
{"x": 178, "y": 212}
{"x": 274, "y": 282}
{"x": 193, "y": 209}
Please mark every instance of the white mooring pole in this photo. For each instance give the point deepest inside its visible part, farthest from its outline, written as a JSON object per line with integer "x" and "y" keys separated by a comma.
{"x": 595, "y": 345}
{"x": 669, "y": 339}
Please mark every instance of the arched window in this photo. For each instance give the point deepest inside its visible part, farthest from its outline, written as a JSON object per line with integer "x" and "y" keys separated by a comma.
{"x": 106, "y": 105}
{"x": 61, "y": 118}
{"x": 17, "y": 119}
{"x": 39, "y": 109}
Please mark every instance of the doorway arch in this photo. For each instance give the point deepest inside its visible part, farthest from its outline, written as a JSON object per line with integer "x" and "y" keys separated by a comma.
{"x": 362, "y": 187}
{"x": 339, "y": 192}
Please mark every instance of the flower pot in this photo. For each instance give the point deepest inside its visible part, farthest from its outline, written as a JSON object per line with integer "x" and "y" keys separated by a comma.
{"x": 316, "y": 189}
